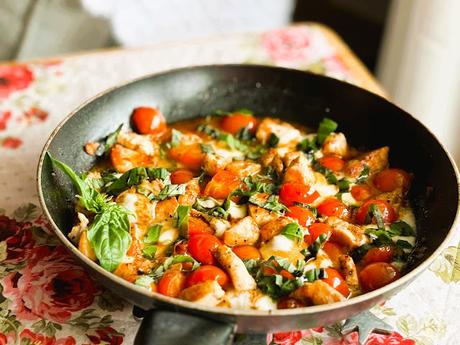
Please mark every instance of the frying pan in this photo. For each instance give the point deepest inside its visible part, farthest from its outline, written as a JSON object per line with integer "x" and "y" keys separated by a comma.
{"x": 369, "y": 122}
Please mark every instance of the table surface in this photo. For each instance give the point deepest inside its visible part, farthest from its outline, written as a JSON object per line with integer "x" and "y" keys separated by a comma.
{"x": 46, "y": 298}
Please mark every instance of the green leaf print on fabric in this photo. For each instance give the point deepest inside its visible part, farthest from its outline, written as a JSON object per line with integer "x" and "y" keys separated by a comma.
{"x": 447, "y": 265}
{"x": 425, "y": 331}
{"x": 26, "y": 213}
{"x": 108, "y": 301}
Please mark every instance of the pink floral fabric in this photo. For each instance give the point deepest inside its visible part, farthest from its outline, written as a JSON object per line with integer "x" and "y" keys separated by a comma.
{"x": 47, "y": 298}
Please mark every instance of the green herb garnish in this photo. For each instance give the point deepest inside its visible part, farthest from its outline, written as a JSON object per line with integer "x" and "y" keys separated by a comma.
{"x": 326, "y": 127}
{"x": 293, "y": 232}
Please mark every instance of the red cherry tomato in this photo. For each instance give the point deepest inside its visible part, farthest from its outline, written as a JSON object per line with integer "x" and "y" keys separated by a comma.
{"x": 189, "y": 155}
{"x": 268, "y": 271}
{"x": 202, "y": 246}
{"x": 361, "y": 192}
{"x": 247, "y": 252}
{"x": 148, "y": 120}
{"x": 377, "y": 274}
{"x": 333, "y": 163}
{"x": 181, "y": 176}
{"x": 386, "y": 210}
{"x": 315, "y": 230}
{"x": 198, "y": 226}
{"x": 172, "y": 283}
{"x": 333, "y": 207}
{"x": 390, "y": 179}
{"x": 292, "y": 192}
{"x": 335, "y": 280}
{"x": 207, "y": 272}
{"x": 303, "y": 215}
{"x": 379, "y": 254}
{"x": 222, "y": 184}
{"x": 236, "y": 121}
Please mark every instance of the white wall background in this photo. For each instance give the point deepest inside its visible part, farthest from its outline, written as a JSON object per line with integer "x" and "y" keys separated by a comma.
{"x": 420, "y": 64}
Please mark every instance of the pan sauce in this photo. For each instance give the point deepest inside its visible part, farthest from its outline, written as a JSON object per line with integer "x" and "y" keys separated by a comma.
{"x": 251, "y": 212}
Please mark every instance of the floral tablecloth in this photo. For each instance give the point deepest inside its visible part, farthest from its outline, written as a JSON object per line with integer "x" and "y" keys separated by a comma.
{"x": 46, "y": 298}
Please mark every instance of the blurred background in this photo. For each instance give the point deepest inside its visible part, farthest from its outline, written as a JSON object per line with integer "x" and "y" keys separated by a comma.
{"x": 412, "y": 46}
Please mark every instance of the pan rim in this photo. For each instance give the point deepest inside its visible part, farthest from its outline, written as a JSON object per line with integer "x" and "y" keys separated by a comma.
{"x": 367, "y": 297}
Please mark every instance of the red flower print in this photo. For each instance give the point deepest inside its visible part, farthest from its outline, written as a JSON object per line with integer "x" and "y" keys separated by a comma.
{"x": 8, "y": 338}
{"x": 18, "y": 237}
{"x": 107, "y": 335}
{"x": 11, "y": 142}
{"x": 389, "y": 339}
{"x": 35, "y": 113}
{"x": 40, "y": 339}
{"x": 51, "y": 286}
{"x": 13, "y": 78}
{"x": 287, "y": 338}
{"x": 4, "y": 117}
{"x": 289, "y": 44}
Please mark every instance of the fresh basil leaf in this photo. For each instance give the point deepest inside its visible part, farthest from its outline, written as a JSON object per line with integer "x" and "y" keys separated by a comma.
{"x": 245, "y": 134}
{"x": 181, "y": 216}
{"x": 272, "y": 204}
{"x": 89, "y": 198}
{"x": 130, "y": 178}
{"x": 244, "y": 111}
{"x": 212, "y": 207}
{"x": 374, "y": 212}
{"x": 307, "y": 146}
{"x": 402, "y": 244}
{"x": 379, "y": 237}
{"x": 315, "y": 274}
{"x": 209, "y": 130}
{"x": 313, "y": 248}
{"x": 153, "y": 234}
{"x": 159, "y": 174}
{"x": 344, "y": 185}
{"x": 326, "y": 127}
{"x": 363, "y": 176}
{"x": 293, "y": 232}
{"x": 205, "y": 148}
{"x": 401, "y": 228}
{"x": 175, "y": 137}
{"x": 109, "y": 236}
{"x": 273, "y": 140}
{"x": 171, "y": 190}
{"x": 149, "y": 251}
{"x": 112, "y": 139}
{"x": 158, "y": 272}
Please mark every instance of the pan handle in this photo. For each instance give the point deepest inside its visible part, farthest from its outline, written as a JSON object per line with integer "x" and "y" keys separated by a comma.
{"x": 165, "y": 327}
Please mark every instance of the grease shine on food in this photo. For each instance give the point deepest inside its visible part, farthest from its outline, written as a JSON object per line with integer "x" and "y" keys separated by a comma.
{"x": 242, "y": 212}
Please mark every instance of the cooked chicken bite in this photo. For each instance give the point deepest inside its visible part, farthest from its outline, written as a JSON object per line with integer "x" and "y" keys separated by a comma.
{"x": 317, "y": 293}
{"x": 141, "y": 143}
{"x": 165, "y": 209}
{"x": 243, "y": 168}
{"x": 207, "y": 293}
{"x": 243, "y": 232}
{"x": 273, "y": 228}
{"x": 271, "y": 158}
{"x": 236, "y": 269}
{"x": 394, "y": 198}
{"x": 283, "y": 130}
{"x": 335, "y": 144}
{"x": 212, "y": 163}
{"x": 192, "y": 190}
{"x": 348, "y": 270}
{"x": 346, "y": 233}
{"x": 376, "y": 160}
{"x": 300, "y": 171}
{"x": 124, "y": 159}
{"x": 260, "y": 215}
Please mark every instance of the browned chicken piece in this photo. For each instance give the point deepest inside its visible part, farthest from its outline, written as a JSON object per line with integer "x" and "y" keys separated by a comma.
{"x": 165, "y": 209}
{"x": 91, "y": 148}
{"x": 243, "y": 232}
{"x": 348, "y": 270}
{"x": 317, "y": 293}
{"x": 124, "y": 159}
{"x": 192, "y": 190}
{"x": 271, "y": 158}
{"x": 243, "y": 168}
{"x": 346, "y": 233}
{"x": 335, "y": 144}
{"x": 139, "y": 206}
{"x": 300, "y": 171}
{"x": 260, "y": 215}
{"x": 290, "y": 157}
{"x": 394, "y": 198}
{"x": 207, "y": 293}
{"x": 273, "y": 228}
{"x": 142, "y": 143}
{"x": 235, "y": 268}
{"x": 212, "y": 163}
{"x": 376, "y": 160}
{"x": 285, "y": 132}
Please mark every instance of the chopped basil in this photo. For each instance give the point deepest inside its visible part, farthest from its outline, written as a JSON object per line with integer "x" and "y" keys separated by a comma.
{"x": 380, "y": 237}
{"x": 402, "y": 244}
{"x": 344, "y": 185}
{"x": 330, "y": 176}
{"x": 175, "y": 137}
{"x": 244, "y": 134}
{"x": 307, "y": 146}
{"x": 149, "y": 251}
{"x": 171, "y": 190}
{"x": 273, "y": 140}
{"x": 134, "y": 177}
{"x": 212, "y": 207}
{"x": 374, "y": 212}
{"x": 205, "y": 148}
{"x": 293, "y": 232}
{"x": 326, "y": 127}
{"x": 207, "y": 129}
{"x": 244, "y": 111}
{"x": 272, "y": 203}
{"x": 181, "y": 216}
{"x": 401, "y": 228}
{"x": 160, "y": 270}
{"x": 153, "y": 234}
{"x": 315, "y": 274}
{"x": 363, "y": 176}
{"x": 106, "y": 144}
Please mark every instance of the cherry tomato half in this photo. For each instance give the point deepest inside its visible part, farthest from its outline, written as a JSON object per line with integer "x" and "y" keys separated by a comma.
{"x": 201, "y": 247}
{"x": 236, "y": 121}
{"x": 333, "y": 207}
{"x": 333, "y": 163}
{"x": 378, "y": 254}
{"x": 222, "y": 184}
{"x": 390, "y": 179}
{"x": 303, "y": 215}
{"x": 292, "y": 192}
{"x": 315, "y": 230}
{"x": 181, "y": 176}
{"x": 172, "y": 283}
{"x": 148, "y": 120}
{"x": 188, "y": 154}
{"x": 377, "y": 274}
{"x": 386, "y": 210}
{"x": 361, "y": 192}
{"x": 207, "y": 272}
{"x": 335, "y": 279}
{"x": 247, "y": 252}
